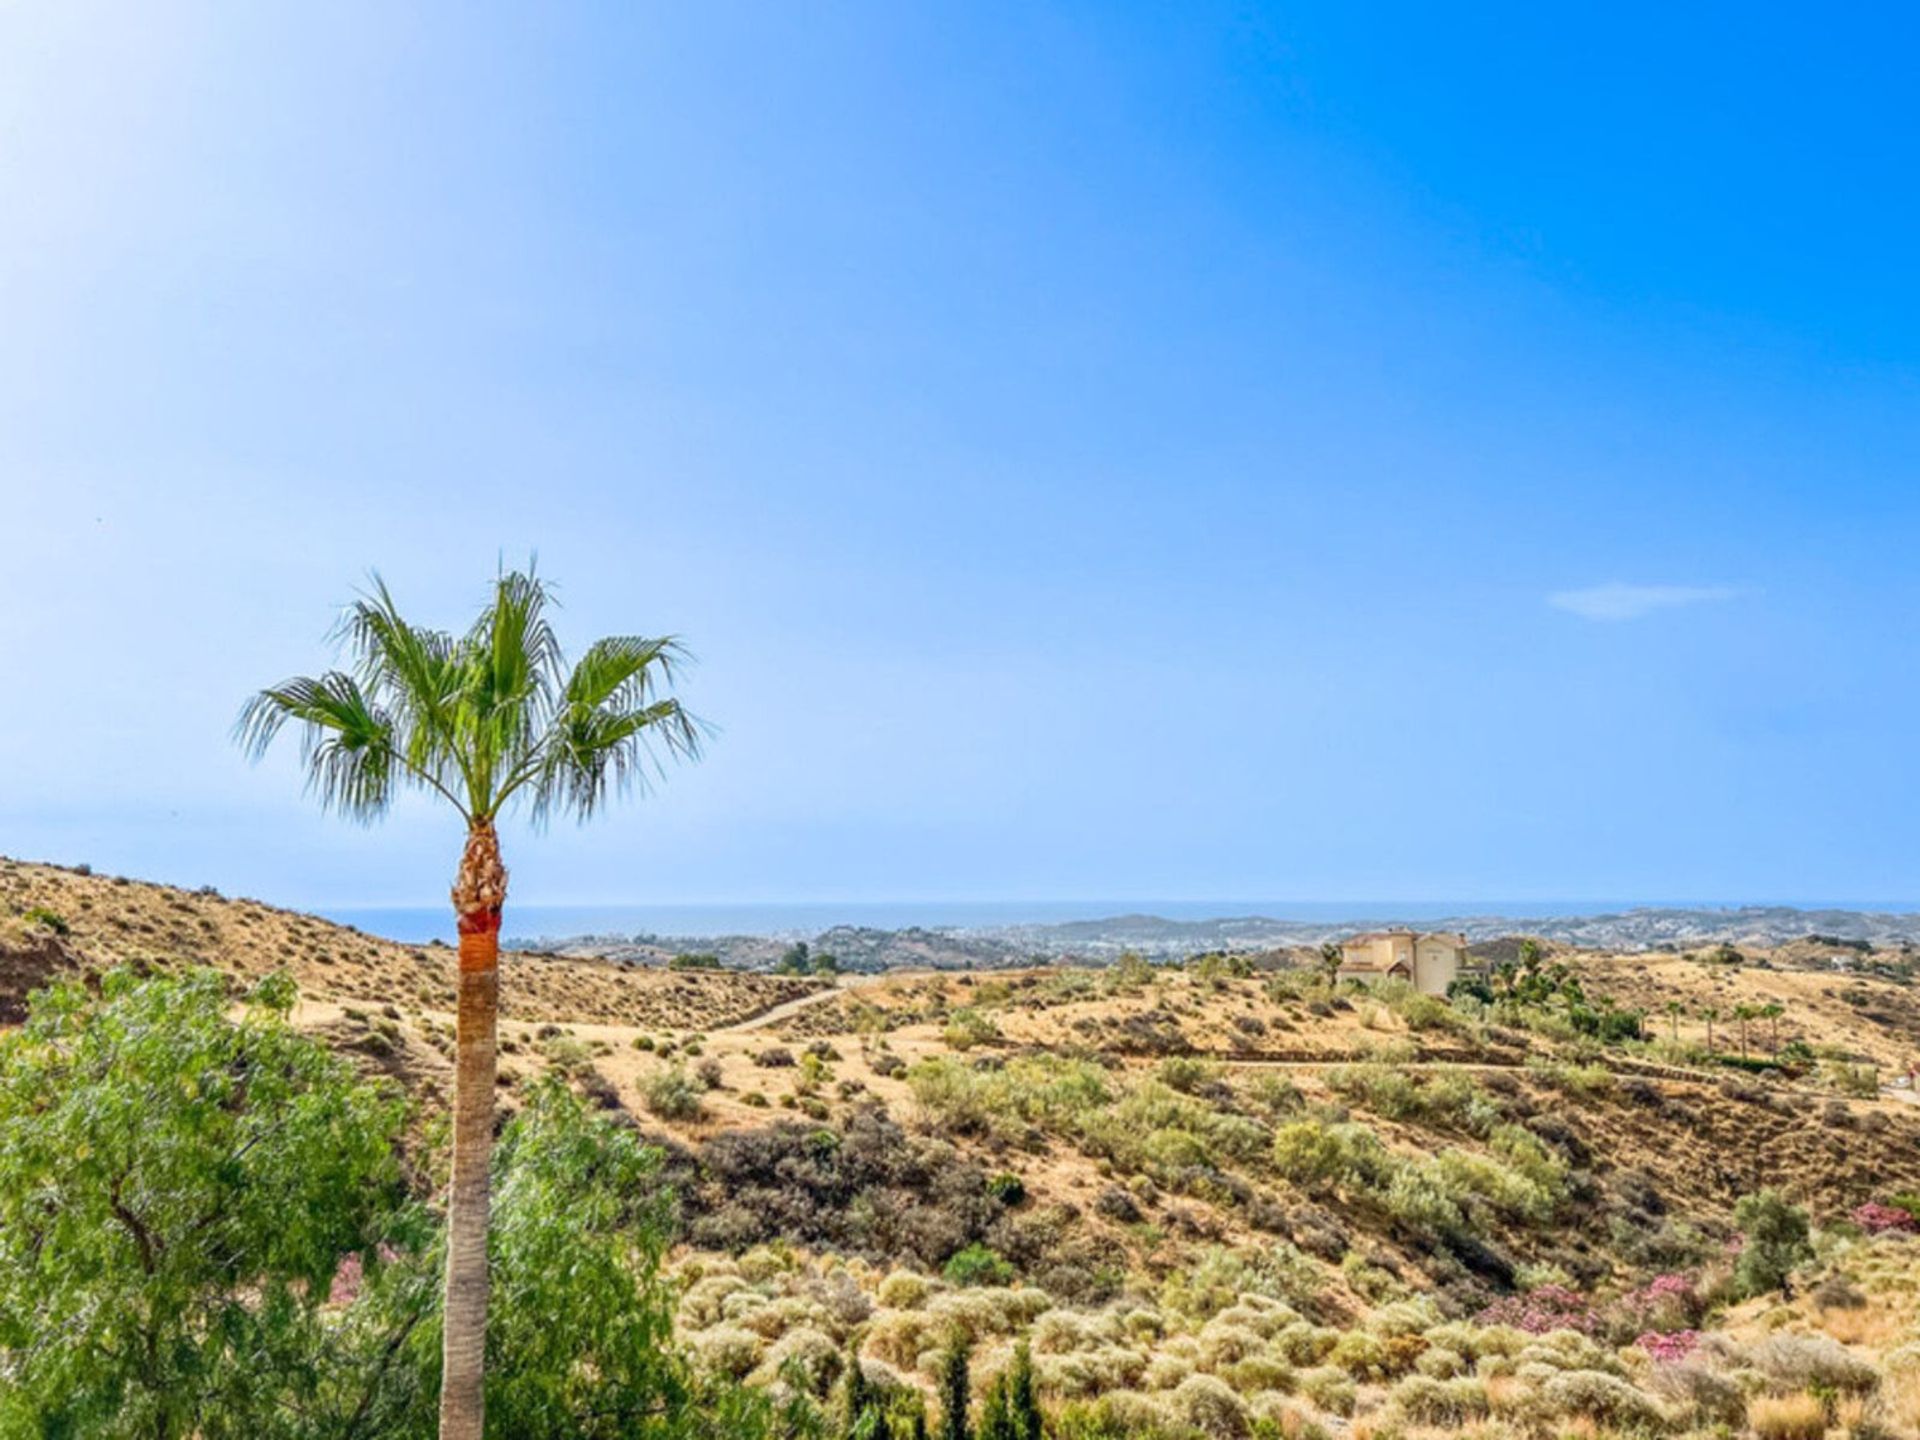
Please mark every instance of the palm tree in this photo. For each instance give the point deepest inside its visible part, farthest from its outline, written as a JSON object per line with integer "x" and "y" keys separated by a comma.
{"x": 1771, "y": 1013}
{"x": 1744, "y": 1014}
{"x": 480, "y": 720}
{"x": 1674, "y": 1011}
{"x": 1710, "y": 1013}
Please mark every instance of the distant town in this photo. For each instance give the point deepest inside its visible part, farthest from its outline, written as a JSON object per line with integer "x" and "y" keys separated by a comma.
{"x": 869, "y": 949}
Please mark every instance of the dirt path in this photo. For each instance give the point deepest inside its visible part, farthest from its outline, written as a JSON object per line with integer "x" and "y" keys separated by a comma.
{"x": 785, "y": 1010}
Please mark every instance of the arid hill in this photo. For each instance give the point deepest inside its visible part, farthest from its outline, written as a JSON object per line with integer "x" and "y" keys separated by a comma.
{"x": 1220, "y": 1195}
{"x": 53, "y": 918}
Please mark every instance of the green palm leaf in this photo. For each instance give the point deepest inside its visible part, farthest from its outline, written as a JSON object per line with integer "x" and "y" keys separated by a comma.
{"x": 481, "y": 717}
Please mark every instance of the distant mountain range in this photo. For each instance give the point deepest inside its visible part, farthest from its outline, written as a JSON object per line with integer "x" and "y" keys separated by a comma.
{"x": 997, "y": 946}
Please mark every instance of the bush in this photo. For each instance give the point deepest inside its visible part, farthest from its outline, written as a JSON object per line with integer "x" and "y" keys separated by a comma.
{"x": 729, "y": 1350}
{"x": 904, "y": 1290}
{"x": 1814, "y": 1362}
{"x": 46, "y": 919}
{"x": 1602, "y": 1398}
{"x": 977, "y": 1265}
{"x": 1009, "y": 1189}
{"x": 1776, "y": 1242}
{"x": 1329, "y": 1387}
{"x": 867, "y": 1188}
{"x": 672, "y": 1094}
{"x": 1447, "y": 1404}
{"x": 1698, "y": 1395}
{"x": 1210, "y": 1406}
{"x": 967, "y": 1028}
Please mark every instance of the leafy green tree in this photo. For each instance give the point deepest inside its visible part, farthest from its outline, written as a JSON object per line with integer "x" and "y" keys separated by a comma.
{"x": 178, "y": 1187}
{"x": 955, "y": 1397}
{"x": 482, "y": 720}
{"x": 584, "y": 1350}
{"x": 1777, "y": 1242}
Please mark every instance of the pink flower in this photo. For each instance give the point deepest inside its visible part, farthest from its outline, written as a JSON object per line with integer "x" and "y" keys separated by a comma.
{"x": 1877, "y": 1219}
{"x": 1550, "y": 1307}
{"x": 1665, "y": 1302}
{"x": 1669, "y": 1349}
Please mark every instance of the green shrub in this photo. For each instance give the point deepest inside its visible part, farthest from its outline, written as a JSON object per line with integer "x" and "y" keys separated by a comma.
{"x": 968, "y": 1027}
{"x": 46, "y": 919}
{"x": 1207, "y": 1404}
{"x": 977, "y": 1265}
{"x": 1446, "y": 1404}
{"x": 671, "y": 1094}
{"x": 1186, "y": 1074}
{"x": 1601, "y": 1398}
{"x": 1777, "y": 1241}
{"x": 1009, "y": 1189}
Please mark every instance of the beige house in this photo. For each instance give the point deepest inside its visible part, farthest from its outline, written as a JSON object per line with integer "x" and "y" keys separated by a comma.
{"x": 1428, "y": 962}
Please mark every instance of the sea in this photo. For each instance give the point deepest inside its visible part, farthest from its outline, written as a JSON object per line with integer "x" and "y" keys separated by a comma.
{"x": 805, "y": 919}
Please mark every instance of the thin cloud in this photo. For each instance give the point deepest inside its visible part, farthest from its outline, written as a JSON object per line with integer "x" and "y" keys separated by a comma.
{"x": 1618, "y": 601}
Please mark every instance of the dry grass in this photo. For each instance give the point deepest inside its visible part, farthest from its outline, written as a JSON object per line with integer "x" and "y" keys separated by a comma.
{"x": 1787, "y": 1417}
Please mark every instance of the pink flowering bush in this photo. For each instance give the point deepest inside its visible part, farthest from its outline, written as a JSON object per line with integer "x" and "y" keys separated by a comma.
{"x": 1665, "y": 1303}
{"x": 1670, "y": 1347}
{"x": 1877, "y": 1219}
{"x": 1551, "y": 1307}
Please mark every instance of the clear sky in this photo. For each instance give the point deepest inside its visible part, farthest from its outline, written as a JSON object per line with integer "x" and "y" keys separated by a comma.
{"x": 1323, "y": 451}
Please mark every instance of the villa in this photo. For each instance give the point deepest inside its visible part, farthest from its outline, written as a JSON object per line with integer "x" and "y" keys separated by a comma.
{"x": 1428, "y": 962}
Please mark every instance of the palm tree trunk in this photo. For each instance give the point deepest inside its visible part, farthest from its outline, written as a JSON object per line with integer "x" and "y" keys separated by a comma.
{"x": 478, "y": 893}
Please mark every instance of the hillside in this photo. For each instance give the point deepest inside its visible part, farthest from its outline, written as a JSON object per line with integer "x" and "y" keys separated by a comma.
{"x": 1219, "y": 1196}
{"x": 96, "y": 920}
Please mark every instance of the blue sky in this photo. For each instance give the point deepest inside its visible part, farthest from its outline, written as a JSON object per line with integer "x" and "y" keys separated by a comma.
{"x": 1315, "y": 452}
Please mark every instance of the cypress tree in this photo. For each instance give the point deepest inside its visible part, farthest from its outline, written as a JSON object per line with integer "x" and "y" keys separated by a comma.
{"x": 996, "y": 1418}
{"x": 1023, "y": 1406}
{"x": 954, "y": 1396}
{"x": 857, "y": 1395}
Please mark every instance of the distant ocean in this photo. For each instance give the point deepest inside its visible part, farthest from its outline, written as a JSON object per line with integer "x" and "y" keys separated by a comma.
{"x": 533, "y": 922}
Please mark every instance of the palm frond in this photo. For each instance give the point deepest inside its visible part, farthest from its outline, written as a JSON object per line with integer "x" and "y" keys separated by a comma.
{"x": 593, "y": 753}
{"x": 346, "y": 741}
{"x": 608, "y": 731}
{"x": 622, "y": 671}
{"x": 416, "y": 674}
{"x": 510, "y": 665}
{"x": 481, "y": 716}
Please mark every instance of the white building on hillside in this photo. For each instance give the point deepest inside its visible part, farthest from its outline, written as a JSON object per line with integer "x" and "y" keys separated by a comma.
{"x": 1428, "y": 962}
